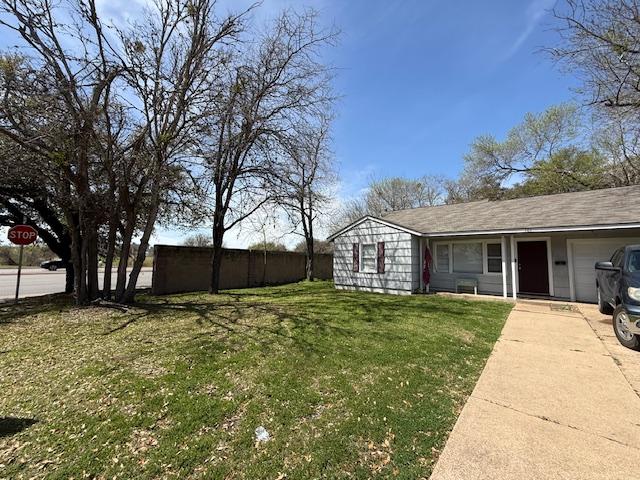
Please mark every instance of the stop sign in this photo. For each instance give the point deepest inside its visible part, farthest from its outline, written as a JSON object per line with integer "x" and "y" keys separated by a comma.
{"x": 22, "y": 234}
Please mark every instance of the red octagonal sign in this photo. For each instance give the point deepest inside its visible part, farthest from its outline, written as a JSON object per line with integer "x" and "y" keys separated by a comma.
{"x": 22, "y": 234}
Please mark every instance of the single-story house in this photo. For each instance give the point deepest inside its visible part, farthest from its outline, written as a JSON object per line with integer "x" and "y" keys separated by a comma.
{"x": 536, "y": 246}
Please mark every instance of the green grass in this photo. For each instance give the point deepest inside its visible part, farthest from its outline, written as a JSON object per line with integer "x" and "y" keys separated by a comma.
{"x": 349, "y": 385}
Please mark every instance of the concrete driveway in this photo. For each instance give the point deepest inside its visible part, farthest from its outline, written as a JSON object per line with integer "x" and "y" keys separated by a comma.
{"x": 558, "y": 399}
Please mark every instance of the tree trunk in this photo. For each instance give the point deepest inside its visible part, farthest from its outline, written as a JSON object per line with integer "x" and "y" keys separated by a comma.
{"x": 69, "y": 280}
{"x": 91, "y": 238}
{"x": 80, "y": 274}
{"x": 310, "y": 262}
{"x": 216, "y": 261}
{"x": 125, "y": 249}
{"x": 108, "y": 260}
{"x": 307, "y": 224}
{"x": 130, "y": 293}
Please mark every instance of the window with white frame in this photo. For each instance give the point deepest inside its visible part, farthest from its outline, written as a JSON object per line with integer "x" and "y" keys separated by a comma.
{"x": 442, "y": 257}
{"x": 494, "y": 258}
{"x": 467, "y": 257}
{"x": 462, "y": 256}
{"x": 369, "y": 257}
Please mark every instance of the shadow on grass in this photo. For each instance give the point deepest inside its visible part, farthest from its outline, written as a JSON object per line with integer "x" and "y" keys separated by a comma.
{"x": 239, "y": 321}
{"x": 11, "y": 425}
{"x": 11, "y": 312}
{"x": 312, "y": 318}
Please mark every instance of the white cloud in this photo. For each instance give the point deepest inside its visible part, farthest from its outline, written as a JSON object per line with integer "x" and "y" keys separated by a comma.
{"x": 536, "y": 10}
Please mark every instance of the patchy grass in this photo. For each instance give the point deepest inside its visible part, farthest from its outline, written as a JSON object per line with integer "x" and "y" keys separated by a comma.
{"x": 349, "y": 385}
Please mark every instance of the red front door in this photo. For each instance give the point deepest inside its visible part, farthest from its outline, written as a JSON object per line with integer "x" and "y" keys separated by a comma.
{"x": 533, "y": 267}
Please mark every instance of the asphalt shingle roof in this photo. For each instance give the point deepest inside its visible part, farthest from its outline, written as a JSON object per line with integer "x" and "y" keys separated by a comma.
{"x": 610, "y": 206}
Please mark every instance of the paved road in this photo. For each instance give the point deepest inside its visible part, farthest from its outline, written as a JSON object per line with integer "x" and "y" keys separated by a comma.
{"x": 36, "y": 281}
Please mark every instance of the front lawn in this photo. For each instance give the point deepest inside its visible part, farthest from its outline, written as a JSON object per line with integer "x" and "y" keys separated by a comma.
{"x": 349, "y": 385}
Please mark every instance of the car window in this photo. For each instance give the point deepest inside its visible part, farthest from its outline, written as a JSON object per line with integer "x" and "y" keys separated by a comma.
{"x": 616, "y": 259}
{"x": 634, "y": 261}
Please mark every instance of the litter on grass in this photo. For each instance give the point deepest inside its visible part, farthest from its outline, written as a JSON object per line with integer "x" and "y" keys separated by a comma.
{"x": 262, "y": 435}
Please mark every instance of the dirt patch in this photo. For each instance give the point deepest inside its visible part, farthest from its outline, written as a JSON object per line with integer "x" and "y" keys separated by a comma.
{"x": 377, "y": 456}
{"x": 141, "y": 441}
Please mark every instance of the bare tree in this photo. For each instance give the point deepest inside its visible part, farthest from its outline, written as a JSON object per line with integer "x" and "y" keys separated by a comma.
{"x": 271, "y": 86}
{"x": 197, "y": 240}
{"x": 599, "y": 41}
{"x": 172, "y": 62}
{"x": 388, "y": 194}
{"x": 304, "y": 174}
{"x": 618, "y": 140}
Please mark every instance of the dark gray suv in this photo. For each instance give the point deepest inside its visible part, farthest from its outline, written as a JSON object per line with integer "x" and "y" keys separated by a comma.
{"x": 618, "y": 283}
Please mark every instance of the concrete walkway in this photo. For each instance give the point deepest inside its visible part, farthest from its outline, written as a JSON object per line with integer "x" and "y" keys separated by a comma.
{"x": 551, "y": 403}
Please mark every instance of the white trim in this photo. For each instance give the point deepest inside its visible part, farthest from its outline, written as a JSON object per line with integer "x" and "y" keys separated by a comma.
{"x": 485, "y": 260}
{"x": 570, "y": 264}
{"x": 503, "y": 250}
{"x": 571, "y": 273}
{"x": 511, "y": 231}
{"x": 549, "y": 261}
{"x": 514, "y": 260}
{"x": 421, "y": 256}
{"x": 485, "y": 253}
{"x": 428, "y": 245}
{"x": 581, "y": 228}
{"x": 376, "y": 220}
{"x": 434, "y": 254}
{"x": 361, "y": 248}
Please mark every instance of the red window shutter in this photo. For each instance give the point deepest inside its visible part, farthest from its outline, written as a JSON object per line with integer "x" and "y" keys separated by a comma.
{"x": 380, "y": 257}
{"x": 356, "y": 257}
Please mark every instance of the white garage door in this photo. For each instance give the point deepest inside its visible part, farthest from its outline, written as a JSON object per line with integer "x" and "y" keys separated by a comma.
{"x": 585, "y": 255}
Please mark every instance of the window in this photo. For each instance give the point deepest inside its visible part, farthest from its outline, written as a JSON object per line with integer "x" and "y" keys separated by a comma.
{"x": 617, "y": 257}
{"x": 494, "y": 258}
{"x": 369, "y": 257}
{"x": 467, "y": 257}
{"x": 634, "y": 261}
{"x": 442, "y": 258}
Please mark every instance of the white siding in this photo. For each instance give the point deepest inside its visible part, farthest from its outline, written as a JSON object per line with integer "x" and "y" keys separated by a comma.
{"x": 403, "y": 268}
{"x": 400, "y": 260}
{"x": 416, "y": 267}
{"x": 490, "y": 284}
{"x": 585, "y": 252}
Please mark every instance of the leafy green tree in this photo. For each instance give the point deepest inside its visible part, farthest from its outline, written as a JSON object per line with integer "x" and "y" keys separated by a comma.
{"x": 568, "y": 170}
{"x": 546, "y": 153}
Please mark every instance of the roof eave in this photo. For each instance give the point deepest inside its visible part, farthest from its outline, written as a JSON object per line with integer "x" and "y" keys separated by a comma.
{"x": 511, "y": 231}
{"x": 333, "y": 236}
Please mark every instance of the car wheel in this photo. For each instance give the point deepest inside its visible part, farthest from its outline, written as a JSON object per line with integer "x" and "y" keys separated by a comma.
{"x": 53, "y": 268}
{"x": 603, "y": 306}
{"x": 621, "y": 329}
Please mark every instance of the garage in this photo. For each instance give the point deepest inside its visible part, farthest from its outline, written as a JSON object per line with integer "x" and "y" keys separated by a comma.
{"x": 585, "y": 253}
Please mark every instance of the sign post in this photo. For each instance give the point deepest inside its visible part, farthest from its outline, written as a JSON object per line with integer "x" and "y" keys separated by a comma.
{"x": 21, "y": 235}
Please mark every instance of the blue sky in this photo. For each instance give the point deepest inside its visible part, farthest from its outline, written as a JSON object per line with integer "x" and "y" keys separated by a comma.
{"x": 420, "y": 79}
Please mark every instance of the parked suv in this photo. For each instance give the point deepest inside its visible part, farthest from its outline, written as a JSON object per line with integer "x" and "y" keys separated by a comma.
{"x": 618, "y": 283}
